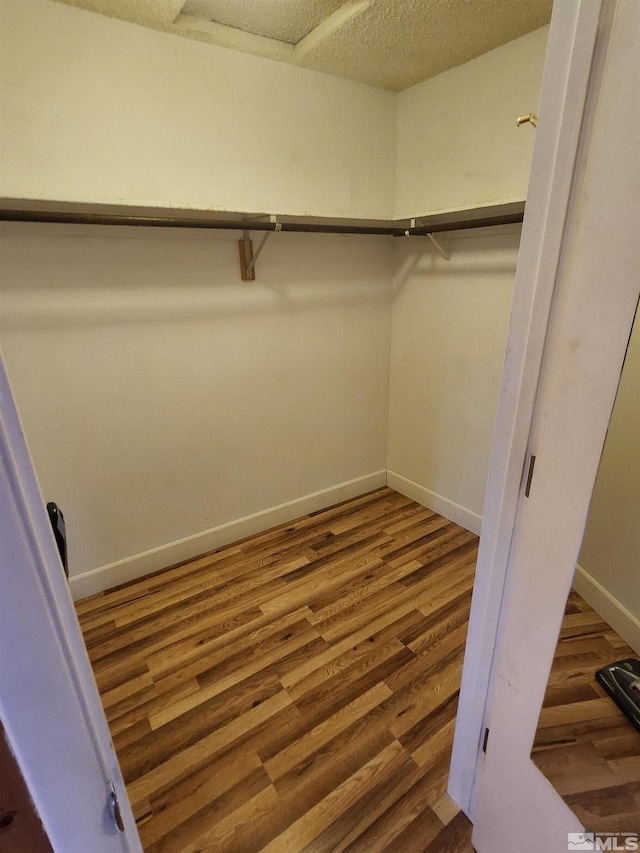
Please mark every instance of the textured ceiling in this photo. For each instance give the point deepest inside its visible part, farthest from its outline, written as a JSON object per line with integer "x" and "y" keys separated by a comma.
{"x": 285, "y": 20}
{"x": 149, "y": 13}
{"x": 392, "y": 44}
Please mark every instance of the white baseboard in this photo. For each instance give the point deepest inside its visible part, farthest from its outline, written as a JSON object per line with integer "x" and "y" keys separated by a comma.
{"x": 142, "y": 564}
{"x": 606, "y": 605}
{"x": 466, "y": 518}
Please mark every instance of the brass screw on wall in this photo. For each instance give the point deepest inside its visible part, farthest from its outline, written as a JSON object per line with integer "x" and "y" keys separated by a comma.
{"x": 531, "y": 117}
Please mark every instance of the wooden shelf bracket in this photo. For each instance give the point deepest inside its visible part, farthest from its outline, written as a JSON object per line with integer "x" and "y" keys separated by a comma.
{"x": 247, "y": 257}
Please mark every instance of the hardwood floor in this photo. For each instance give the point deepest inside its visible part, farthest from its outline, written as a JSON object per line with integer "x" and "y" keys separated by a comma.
{"x": 585, "y": 745}
{"x": 295, "y": 691}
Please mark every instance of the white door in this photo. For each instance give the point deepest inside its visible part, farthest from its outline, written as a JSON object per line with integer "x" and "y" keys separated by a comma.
{"x": 49, "y": 704}
{"x": 564, "y": 97}
{"x": 596, "y": 292}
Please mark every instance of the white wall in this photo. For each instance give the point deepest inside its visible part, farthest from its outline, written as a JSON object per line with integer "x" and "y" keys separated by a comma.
{"x": 458, "y": 144}
{"x": 98, "y": 110}
{"x": 458, "y": 147}
{"x": 449, "y": 332}
{"x": 95, "y": 109}
{"x": 162, "y": 397}
{"x": 609, "y": 573}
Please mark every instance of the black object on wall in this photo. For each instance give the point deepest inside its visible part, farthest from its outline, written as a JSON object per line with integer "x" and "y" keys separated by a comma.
{"x": 57, "y": 522}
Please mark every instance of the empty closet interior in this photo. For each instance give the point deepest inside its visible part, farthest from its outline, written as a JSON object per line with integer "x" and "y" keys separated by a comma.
{"x": 170, "y": 406}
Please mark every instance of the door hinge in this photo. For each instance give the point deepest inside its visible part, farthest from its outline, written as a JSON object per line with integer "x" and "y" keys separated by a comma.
{"x": 484, "y": 740}
{"x": 527, "y": 488}
{"x": 114, "y": 809}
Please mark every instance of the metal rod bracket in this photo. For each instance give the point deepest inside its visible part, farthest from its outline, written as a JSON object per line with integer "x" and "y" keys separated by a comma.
{"x": 441, "y": 251}
{"x": 247, "y": 257}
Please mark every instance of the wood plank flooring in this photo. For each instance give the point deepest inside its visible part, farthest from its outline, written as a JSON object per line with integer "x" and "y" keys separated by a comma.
{"x": 295, "y": 691}
{"x": 585, "y": 745}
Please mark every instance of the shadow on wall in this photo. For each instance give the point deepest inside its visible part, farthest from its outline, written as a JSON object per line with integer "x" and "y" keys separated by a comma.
{"x": 163, "y": 397}
{"x": 87, "y": 275}
{"x": 417, "y": 257}
{"x": 449, "y": 331}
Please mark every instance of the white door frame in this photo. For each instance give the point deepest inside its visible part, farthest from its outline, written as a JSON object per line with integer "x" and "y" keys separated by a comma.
{"x": 533, "y": 543}
{"x": 594, "y": 306}
{"x": 49, "y": 703}
{"x": 570, "y": 50}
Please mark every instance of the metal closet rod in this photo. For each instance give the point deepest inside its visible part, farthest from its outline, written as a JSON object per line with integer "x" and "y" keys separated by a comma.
{"x": 74, "y": 214}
